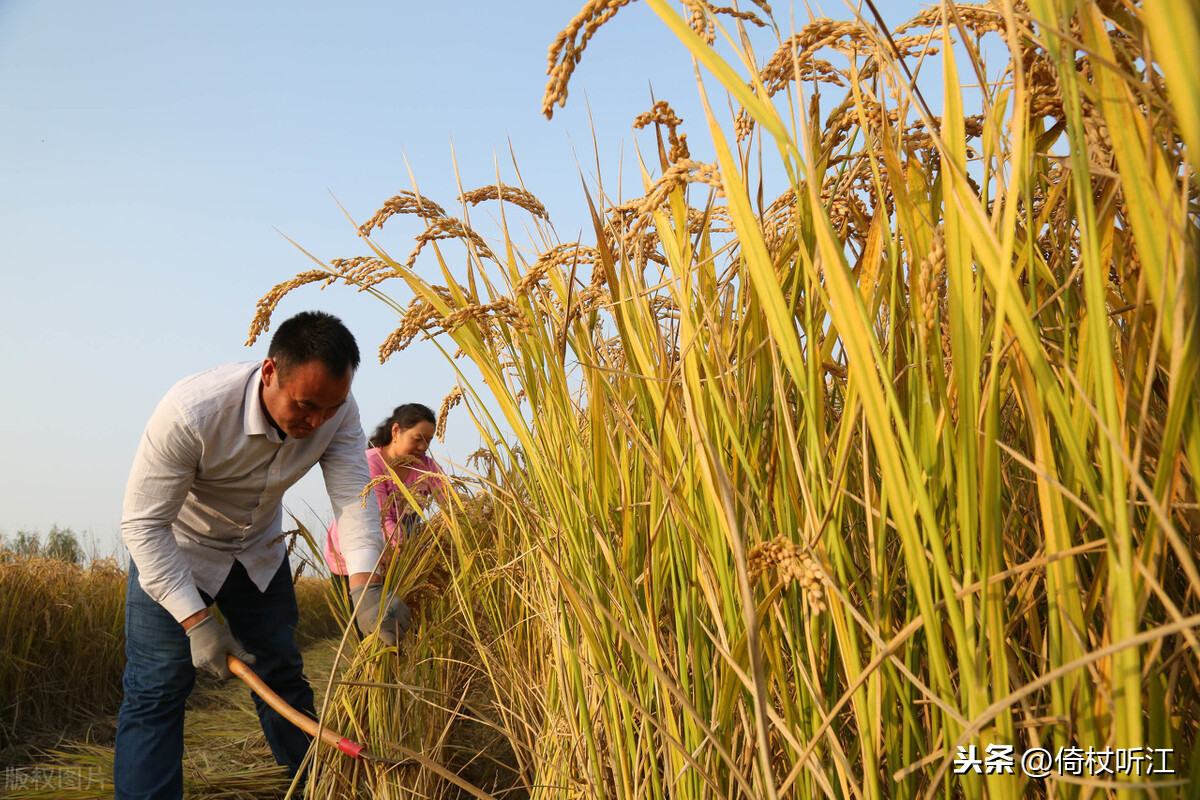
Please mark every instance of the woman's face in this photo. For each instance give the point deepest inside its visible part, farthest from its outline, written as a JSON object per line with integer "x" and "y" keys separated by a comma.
{"x": 412, "y": 441}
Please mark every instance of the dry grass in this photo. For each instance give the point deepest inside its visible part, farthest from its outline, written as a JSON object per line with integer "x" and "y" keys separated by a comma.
{"x": 226, "y": 757}
{"x": 63, "y": 653}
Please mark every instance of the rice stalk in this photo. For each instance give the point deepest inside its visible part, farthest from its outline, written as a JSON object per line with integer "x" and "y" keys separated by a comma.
{"x": 815, "y": 497}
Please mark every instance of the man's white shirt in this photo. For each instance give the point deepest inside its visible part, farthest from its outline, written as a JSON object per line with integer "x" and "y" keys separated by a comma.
{"x": 208, "y": 481}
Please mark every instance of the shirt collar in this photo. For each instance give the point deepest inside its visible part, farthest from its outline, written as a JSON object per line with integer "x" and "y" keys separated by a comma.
{"x": 254, "y": 419}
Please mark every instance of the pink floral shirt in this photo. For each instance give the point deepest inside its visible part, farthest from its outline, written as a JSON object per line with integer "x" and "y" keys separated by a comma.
{"x": 425, "y": 478}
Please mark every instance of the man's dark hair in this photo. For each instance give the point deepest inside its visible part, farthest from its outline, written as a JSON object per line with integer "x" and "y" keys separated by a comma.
{"x": 405, "y": 416}
{"x": 314, "y": 336}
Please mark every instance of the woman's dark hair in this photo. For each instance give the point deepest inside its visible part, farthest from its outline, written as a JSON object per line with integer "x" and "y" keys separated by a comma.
{"x": 405, "y": 416}
{"x": 314, "y": 336}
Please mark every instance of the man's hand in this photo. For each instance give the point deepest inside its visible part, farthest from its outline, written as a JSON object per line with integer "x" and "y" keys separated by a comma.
{"x": 370, "y": 610}
{"x": 211, "y": 642}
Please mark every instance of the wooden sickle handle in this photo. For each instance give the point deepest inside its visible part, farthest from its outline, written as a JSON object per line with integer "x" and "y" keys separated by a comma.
{"x": 301, "y": 721}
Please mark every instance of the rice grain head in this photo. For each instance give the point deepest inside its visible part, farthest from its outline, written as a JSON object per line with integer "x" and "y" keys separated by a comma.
{"x": 266, "y": 306}
{"x": 507, "y": 194}
{"x": 448, "y": 402}
{"x": 568, "y": 47}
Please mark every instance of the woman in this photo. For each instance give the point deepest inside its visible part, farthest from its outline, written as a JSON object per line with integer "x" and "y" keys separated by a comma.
{"x": 401, "y": 441}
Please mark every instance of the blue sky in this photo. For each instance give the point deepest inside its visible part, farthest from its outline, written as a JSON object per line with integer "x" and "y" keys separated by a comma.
{"x": 154, "y": 155}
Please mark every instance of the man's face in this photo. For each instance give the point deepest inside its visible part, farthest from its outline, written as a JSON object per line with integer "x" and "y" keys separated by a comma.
{"x": 304, "y": 397}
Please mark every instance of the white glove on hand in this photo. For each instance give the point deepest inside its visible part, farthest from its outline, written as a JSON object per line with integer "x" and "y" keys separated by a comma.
{"x": 370, "y": 611}
{"x": 211, "y": 642}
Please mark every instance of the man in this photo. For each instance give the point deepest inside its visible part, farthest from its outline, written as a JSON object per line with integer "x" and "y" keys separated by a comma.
{"x": 203, "y": 523}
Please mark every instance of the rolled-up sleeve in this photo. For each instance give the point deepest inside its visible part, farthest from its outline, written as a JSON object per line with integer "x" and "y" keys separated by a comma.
{"x": 344, "y": 466}
{"x": 163, "y": 472}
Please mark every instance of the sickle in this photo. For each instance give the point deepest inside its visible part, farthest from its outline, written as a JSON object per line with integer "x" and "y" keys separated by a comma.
{"x": 302, "y": 721}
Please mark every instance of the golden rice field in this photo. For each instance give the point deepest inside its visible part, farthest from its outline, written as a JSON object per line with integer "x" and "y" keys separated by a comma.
{"x": 62, "y": 663}
{"x": 870, "y": 489}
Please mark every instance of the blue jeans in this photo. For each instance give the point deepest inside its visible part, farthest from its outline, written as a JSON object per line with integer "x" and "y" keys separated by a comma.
{"x": 159, "y": 676}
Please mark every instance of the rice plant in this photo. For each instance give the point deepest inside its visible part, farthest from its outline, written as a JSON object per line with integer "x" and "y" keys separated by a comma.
{"x": 61, "y": 647}
{"x": 866, "y": 491}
